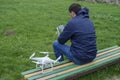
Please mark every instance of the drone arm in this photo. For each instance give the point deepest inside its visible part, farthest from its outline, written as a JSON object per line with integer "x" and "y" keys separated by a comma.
{"x": 32, "y": 56}
{"x": 57, "y": 59}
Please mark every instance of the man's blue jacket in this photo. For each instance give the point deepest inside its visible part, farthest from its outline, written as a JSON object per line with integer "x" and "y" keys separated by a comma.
{"x": 80, "y": 30}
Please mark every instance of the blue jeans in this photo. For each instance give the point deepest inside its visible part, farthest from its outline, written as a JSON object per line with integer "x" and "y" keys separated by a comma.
{"x": 61, "y": 50}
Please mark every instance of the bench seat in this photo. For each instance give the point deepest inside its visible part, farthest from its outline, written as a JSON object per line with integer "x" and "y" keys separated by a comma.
{"x": 68, "y": 70}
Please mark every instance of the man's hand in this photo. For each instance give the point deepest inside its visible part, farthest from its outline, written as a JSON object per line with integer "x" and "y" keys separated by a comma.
{"x": 59, "y": 29}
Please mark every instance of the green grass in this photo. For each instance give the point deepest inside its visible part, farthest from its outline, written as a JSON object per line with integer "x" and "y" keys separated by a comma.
{"x": 35, "y": 21}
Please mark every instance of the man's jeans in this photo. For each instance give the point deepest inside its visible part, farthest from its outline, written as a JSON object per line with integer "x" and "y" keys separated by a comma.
{"x": 61, "y": 50}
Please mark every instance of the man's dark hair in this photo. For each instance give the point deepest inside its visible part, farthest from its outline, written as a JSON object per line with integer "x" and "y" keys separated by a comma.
{"x": 75, "y": 7}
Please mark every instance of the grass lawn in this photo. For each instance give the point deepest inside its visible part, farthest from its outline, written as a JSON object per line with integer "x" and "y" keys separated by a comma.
{"x": 34, "y": 23}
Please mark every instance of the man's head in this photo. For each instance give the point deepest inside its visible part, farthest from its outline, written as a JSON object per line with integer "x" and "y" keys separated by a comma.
{"x": 74, "y": 9}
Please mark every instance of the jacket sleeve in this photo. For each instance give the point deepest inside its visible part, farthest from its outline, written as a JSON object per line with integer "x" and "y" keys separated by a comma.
{"x": 66, "y": 34}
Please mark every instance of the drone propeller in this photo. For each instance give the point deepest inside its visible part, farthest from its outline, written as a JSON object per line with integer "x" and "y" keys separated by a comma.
{"x": 31, "y": 55}
{"x": 45, "y": 52}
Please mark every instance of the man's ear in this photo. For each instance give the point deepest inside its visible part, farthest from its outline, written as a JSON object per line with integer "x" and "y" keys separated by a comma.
{"x": 73, "y": 14}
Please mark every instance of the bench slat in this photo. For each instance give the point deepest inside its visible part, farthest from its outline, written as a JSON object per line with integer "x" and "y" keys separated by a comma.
{"x": 109, "y": 48}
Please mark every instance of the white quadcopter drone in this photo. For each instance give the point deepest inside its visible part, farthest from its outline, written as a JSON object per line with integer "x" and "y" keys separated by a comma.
{"x": 42, "y": 61}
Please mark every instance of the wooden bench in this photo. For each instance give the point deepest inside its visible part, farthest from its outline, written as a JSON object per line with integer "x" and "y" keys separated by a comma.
{"x": 68, "y": 70}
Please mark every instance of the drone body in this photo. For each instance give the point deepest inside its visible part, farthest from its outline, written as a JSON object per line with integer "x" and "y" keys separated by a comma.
{"x": 42, "y": 61}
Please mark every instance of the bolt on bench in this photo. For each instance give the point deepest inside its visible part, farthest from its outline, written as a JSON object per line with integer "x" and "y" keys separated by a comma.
{"x": 68, "y": 70}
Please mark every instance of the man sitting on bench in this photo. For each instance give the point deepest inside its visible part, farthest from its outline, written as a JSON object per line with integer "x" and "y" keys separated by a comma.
{"x": 80, "y": 30}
